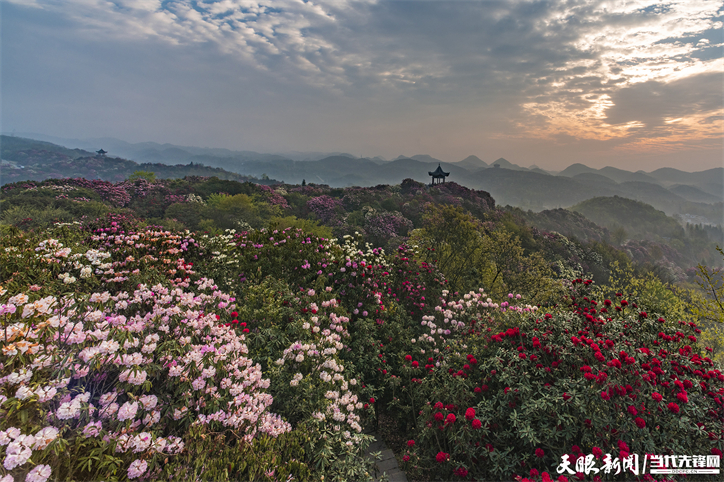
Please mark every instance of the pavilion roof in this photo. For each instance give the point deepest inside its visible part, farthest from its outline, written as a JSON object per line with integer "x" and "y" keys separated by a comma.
{"x": 438, "y": 172}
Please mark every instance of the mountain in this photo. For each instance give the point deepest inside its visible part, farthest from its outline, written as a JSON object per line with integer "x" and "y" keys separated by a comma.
{"x": 575, "y": 169}
{"x": 669, "y": 174}
{"x": 593, "y": 177}
{"x": 505, "y": 164}
{"x": 692, "y": 193}
{"x": 619, "y": 175}
{"x": 638, "y": 219}
{"x": 425, "y": 158}
{"x": 510, "y": 184}
{"x": 29, "y": 159}
{"x": 472, "y": 162}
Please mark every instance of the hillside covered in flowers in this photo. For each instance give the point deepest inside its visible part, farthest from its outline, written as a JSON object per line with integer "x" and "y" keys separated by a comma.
{"x": 206, "y": 329}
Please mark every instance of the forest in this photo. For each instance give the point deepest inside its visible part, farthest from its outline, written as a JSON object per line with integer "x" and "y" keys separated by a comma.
{"x": 206, "y": 328}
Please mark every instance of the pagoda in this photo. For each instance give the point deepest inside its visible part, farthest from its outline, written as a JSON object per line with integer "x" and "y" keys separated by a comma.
{"x": 438, "y": 176}
{"x": 101, "y": 152}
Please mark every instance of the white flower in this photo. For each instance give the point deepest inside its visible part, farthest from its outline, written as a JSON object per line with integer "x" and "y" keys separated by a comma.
{"x": 148, "y": 401}
{"x": 127, "y": 411}
{"x": 39, "y": 474}
{"x": 44, "y": 437}
{"x": 137, "y": 469}
{"x": 17, "y": 454}
{"x": 23, "y": 392}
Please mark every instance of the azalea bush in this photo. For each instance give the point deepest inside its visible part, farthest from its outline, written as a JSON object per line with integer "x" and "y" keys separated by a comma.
{"x": 132, "y": 351}
{"x": 511, "y": 399}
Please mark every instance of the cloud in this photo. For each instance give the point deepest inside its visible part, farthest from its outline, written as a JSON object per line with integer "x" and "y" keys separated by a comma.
{"x": 546, "y": 70}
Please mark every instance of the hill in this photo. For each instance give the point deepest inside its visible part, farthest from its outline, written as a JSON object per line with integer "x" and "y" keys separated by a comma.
{"x": 510, "y": 184}
{"x": 640, "y": 220}
{"x": 472, "y": 163}
{"x": 575, "y": 169}
{"x": 31, "y": 160}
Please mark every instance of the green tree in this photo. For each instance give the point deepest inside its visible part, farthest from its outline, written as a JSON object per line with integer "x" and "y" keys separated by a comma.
{"x": 472, "y": 256}
{"x": 147, "y": 175}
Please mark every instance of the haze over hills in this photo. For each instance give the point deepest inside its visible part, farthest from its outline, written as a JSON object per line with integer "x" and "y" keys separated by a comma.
{"x": 699, "y": 195}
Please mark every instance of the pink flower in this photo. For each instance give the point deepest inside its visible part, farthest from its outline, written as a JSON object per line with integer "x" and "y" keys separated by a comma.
{"x": 39, "y": 474}
{"x": 137, "y": 469}
{"x": 127, "y": 411}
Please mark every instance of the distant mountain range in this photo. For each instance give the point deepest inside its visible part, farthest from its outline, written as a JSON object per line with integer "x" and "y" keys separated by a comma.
{"x": 698, "y": 196}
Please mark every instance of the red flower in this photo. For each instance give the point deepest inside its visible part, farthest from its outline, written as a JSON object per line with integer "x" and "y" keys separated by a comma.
{"x": 597, "y": 452}
{"x": 461, "y": 472}
{"x": 632, "y": 410}
{"x": 716, "y": 451}
{"x": 683, "y": 398}
{"x": 405, "y": 458}
{"x": 562, "y": 478}
{"x": 372, "y": 400}
{"x": 539, "y": 453}
{"x": 439, "y": 417}
{"x": 640, "y": 423}
{"x": 415, "y": 364}
{"x": 438, "y": 406}
{"x": 408, "y": 357}
{"x": 546, "y": 477}
{"x": 234, "y": 314}
{"x": 410, "y": 443}
{"x": 605, "y": 395}
{"x": 450, "y": 418}
{"x": 656, "y": 396}
{"x": 442, "y": 457}
{"x": 566, "y": 397}
{"x": 470, "y": 413}
{"x": 674, "y": 408}
{"x": 477, "y": 424}
{"x": 533, "y": 472}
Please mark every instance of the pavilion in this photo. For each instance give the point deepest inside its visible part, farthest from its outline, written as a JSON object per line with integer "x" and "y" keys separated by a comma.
{"x": 438, "y": 176}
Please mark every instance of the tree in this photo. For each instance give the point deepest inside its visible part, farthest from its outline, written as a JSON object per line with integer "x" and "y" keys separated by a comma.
{"x": 471, "y": 256}
{"x": 147, "y": 175}
{"x": 711, "y": 282}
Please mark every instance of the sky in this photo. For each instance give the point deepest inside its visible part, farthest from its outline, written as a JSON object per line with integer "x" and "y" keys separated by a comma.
{"x": 634, "y": 84}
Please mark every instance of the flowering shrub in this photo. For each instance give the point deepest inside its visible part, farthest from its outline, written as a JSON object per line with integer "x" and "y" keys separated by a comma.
{"x": 573, "y": 382}
{"x": 125, "y": 375}
{"x": 326, "y": 208}
{"x": 148, "y": 353}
